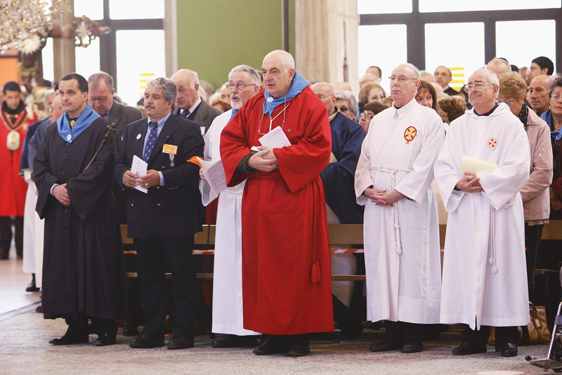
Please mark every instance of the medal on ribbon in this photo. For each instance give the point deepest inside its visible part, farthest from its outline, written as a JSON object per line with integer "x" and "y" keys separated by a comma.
{"x": 13, "y": 140}
{"x": 171, "y": 150}
{"x": 409, "y": 134}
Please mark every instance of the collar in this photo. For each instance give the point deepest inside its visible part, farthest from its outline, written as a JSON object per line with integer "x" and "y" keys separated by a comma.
{"x": 195, "y": 105}
{"x": 489, "y": 112}
{"x": 160, "y": 122}
{"x": 333, "y": 116}
{"x": 8, "y": 110}
{"x": 404, "y": 110}
{"x": 298, "y": 84}
{"x": 85, "y": 119}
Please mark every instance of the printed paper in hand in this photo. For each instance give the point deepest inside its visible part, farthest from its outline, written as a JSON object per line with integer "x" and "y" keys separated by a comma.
{"x": 473, "y": 165}
{"x": 139, "y": 168}
{"x": 275, "y": 139}
{"x": 214, "y": 173}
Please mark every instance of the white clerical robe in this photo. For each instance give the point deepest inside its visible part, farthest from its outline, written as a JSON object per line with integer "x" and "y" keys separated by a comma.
{"x": 33, "y": 231}
{"x": 228, "y": 315}
{"x": 402, "y": 255}
{"x": 484, "y": 270}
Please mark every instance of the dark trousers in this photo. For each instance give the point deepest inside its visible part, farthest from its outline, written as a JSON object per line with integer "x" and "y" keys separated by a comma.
{"x": 532, "y": 241}
{"x": 151, "y": 268}
{"x": 504, "y": 335}
{"x": 402, "y": 332}
{"x": 78, "y": 325}
{"x": 6, "y": 235}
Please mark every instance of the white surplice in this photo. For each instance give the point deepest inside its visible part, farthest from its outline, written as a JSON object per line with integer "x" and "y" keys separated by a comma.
{"x": 402, "y": 258}
{"x": 33, "y": 230}
{"x": 484, "y": 269}
{"x": 228, "y": 315}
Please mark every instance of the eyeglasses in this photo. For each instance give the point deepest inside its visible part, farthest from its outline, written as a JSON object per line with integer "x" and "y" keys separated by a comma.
{"x": 367, "y": 115}
{"x": 100, "y": 99}
{"x": 508, "y": 102}
{"x": 344, "y": 109}
{"x": 555, "y": 97}
{"x": 401, "y": 79}
{"x": 239, "y": 86}
{"x": 478, "y": 85}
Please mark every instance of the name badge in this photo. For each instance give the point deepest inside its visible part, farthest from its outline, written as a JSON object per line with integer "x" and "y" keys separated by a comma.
{"x": 170, "y": 149}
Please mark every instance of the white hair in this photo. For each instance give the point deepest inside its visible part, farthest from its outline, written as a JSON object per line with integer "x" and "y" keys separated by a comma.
{"x": 492, "y": 77}
{"x": 495, "y": 59}
{"x": 369, "y": 77}
{"x": 254, "y": 76}
{"x": 416, "y": 70}
{"x": 351, "y": 99}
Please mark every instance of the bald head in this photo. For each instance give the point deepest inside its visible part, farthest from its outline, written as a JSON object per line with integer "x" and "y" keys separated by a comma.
{"x": 342, "y": 86}
{"x": 498, "y": 66}
{"x": 538, "y": 93}
{"x": 327, "y": 95}
{"x": 278, "y": 71}
{"x": 187, "y": 84}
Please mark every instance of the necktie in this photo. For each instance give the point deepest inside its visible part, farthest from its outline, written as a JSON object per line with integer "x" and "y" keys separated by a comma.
{"x": 151, "y": 141}
{"x": 185, "y": 113}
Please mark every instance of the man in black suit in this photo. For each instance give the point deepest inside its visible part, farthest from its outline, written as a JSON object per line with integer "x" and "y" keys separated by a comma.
{"x": 190, "y": 104}
{"x": 101, "y": 91}
{"x": 162, "y": 221}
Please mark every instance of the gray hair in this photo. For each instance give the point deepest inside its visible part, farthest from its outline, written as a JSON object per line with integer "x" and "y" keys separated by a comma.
{"x": 351, "y": 99}
{"x": 369, "y": 77}
{"x": 96, "y": 78}
{"x": 193, "y": 79}
{"x": 48, "y": 93}
{"x": 492, "y": 77}
{"x": 167, "y": 85}
{"x": 496, "y": 59}
{"x": 254, "y": 76}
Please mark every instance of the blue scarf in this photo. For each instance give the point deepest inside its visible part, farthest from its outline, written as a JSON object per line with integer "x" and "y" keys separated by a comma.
{"x": 299, "y": 83}
{"x": 82, "y": 123}
{"x": 547, "y": 116}
{"x": 234, "y": 112}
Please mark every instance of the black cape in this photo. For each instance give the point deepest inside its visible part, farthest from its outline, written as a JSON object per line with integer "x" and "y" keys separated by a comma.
{"x": 83, "y": 267}
{"x": 339, "y": 178}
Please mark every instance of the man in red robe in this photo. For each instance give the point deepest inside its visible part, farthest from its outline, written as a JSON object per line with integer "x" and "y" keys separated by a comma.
{"x": 285, "y": 250}
{"x": 15, "y": 120}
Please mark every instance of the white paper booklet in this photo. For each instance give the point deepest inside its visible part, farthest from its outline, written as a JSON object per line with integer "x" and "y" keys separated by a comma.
{"x": 275, "y": 139}
{"x": 214, "y": 173}
{"x": 473, "y": 165}
{"x": 139, "y": 168}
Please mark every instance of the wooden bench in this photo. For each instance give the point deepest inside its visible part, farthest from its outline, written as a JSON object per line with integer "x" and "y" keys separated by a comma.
{"x": 339, "y": 234}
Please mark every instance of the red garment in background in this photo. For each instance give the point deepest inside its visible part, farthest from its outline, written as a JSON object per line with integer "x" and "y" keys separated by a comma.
{"x": 12, "y": 186}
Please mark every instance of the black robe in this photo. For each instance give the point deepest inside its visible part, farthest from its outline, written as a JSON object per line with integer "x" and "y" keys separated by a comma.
{"x": 83, "y": 267}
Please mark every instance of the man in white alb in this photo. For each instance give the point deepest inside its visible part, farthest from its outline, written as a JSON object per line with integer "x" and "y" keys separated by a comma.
{"x": 393, "y": 181}
{"x": 484, "y": 269}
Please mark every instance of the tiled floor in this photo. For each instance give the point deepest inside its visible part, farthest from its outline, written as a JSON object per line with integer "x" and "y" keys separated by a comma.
{"x": 13, "y": 297}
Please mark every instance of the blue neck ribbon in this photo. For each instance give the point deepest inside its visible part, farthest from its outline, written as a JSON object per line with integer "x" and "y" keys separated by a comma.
{"x": 86, "y": 118}
{"x": 299, "y": 83}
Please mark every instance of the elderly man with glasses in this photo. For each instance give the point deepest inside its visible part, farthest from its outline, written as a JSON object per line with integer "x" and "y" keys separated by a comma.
{"x": 393, "y": 181}
{"x": 482, "y": 167}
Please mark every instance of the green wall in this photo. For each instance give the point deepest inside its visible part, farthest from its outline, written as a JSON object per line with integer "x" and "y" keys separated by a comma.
{"x": 216, "y": 35}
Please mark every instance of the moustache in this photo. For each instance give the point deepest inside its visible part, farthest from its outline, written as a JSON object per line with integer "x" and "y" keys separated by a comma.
{"x": 148, "y": 106}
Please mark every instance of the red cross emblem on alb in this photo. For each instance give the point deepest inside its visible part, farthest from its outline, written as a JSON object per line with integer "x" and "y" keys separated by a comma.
{"x": 493, "y": 143}
{"x": 409, "y": 134}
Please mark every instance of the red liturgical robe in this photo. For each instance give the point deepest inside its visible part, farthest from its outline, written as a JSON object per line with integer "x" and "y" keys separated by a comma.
{"x": 13, "y": 187}
{"x": 285, "y": 249}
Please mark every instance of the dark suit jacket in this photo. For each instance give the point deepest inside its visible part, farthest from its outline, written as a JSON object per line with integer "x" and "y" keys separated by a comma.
{"x": 124, "y": 115}
{"x": 170, "y": 210}
{"x": 205, "y": 114}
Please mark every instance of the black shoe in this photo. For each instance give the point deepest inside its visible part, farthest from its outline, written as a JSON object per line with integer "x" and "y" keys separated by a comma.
{"x": 272, "y": 345}
{"x": 70, "y": 340}
{"x": 412, "y": 347}
{"x": 32, "y": 287}
{"x": 233, "y": 341}
{"x": 105, "y": 339}
{"x": 298, "y": 346}
{"x": 180, "y": 341}
{"x": 507, "y": 350}
{"x": 129, "y": 329}
{"x": 144, "y": 340}
{"x": 385, "y": 346}
{"x": 468, "y": 348}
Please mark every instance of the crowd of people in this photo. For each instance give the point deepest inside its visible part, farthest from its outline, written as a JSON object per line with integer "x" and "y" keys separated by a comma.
{"x": 281, "y": 158}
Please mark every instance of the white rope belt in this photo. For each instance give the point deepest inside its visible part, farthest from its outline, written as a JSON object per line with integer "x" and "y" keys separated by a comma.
{"x": 393, "y": 171}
